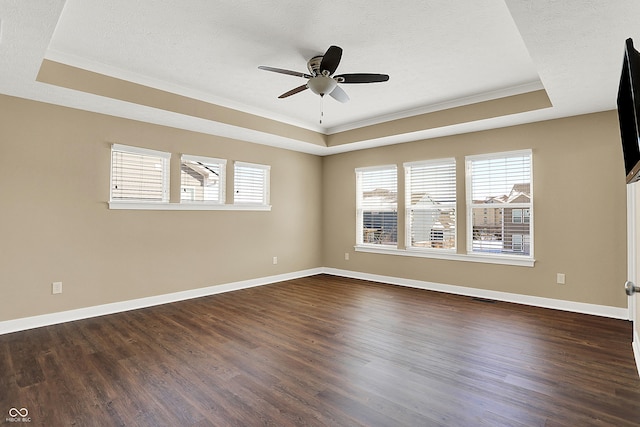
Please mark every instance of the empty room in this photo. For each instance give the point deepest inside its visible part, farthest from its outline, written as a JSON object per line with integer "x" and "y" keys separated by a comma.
{"x": 288, "y": 213}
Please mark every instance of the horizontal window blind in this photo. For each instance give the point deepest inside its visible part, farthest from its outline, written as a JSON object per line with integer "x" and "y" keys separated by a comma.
{"x": 202, "y": 179}
{"x": 500, "y": 203}
{"x": 251, "y": 183}
{"x": 139, "y": 174}
{"x": 430, "y": 201}
{"x": 377, "y": 205}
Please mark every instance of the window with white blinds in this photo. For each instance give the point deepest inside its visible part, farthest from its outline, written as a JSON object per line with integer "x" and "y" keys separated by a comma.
{"x": 139, "y": 175}
{"x": 377, "y": 205}
{"x": 202, "y": 179}
{"x": 251, "y": 184}
{"x": 430, "y": 200}
{"x": 500, "y": 204}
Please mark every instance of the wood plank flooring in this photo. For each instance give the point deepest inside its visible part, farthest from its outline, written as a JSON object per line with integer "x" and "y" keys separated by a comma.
{"x": 324, "y": 351}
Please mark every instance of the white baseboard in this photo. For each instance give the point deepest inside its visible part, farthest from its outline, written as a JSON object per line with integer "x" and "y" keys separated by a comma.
{"x": 577, "y": 307}
{"x": 16, "y": 325}
{"x": 22, "y": 324}
{"x": 636, "y": 349}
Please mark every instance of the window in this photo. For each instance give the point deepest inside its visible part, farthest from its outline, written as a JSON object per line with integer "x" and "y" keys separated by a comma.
{"x": 139, "y": 175}
{"x": 519, "y": 242}
{"x": 377, "y": 205}
{"x": 202, "y": 179}
{"x": 251, "y": 184}
{"x": 500, "y": 204}
{"x": 430, "y": 200}
{"x": 140, "y": 180}
{"x": 519, "y": 216}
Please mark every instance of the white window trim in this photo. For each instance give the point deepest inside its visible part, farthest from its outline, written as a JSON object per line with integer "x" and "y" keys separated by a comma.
{"x": 430, "y": 252}
{"x": 430, "y": 162}
{"x": 376, "y": 168}
{"x": 267, "y": 186}
{"x": 517, "y": 260}
{"x": 165, "y": 156}
{"x": 437, "y": 254}
{"x": 202, "y": 159}
{"x": 162, "y": 206}
{"x": 500, "y": 155}
{"x": 140, "y": 150}
{"x": 173, "y": 206}
{"x": 469, "y": 210}
{"x": 223, "y": 184}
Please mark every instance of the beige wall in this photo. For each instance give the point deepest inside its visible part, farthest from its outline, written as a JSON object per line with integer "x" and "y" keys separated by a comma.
{"x": 580, "y": 211}
{"x": 55, "y": 224}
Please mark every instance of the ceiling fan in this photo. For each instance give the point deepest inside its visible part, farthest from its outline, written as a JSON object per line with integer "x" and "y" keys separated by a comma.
{"x": 321, "y": 79}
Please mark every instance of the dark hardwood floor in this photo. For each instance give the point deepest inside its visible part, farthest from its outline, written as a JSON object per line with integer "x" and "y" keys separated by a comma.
{"x": 325, "y": 351}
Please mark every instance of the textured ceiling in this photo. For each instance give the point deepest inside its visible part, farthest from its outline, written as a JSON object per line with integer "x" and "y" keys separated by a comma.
{"x": 433, "y": 51}
{"x": 439, "y": 55}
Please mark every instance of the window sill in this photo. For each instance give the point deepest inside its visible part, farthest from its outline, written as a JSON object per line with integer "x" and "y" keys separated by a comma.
{"x": 161, "y": 206}
{"x": 447, "y": 255}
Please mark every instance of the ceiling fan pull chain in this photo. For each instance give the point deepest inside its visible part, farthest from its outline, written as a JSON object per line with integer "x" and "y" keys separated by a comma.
{"x": 321, "y": 108}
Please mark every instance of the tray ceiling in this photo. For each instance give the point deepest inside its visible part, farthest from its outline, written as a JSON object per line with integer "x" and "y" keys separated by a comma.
{"x": 440, "y": 55}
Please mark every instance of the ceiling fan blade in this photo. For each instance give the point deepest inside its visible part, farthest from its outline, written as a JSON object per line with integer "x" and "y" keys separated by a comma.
{"x": 339, "y": 94}
{"x": 282, "y": 71}
{"x": 294, "y": 91}
{"x": 362, "y": 78}
{"x": 331, "y": 59}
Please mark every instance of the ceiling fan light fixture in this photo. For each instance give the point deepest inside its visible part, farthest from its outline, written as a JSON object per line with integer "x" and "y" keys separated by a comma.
{"x": 322, "y": 85}
{"x": 321, "y": 82}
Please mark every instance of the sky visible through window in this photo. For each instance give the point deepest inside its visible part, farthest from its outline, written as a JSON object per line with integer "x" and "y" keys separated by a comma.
{"x": 492, "y": 177}
{"x": 496, "y": 177}
{"x": 380, "y": 179}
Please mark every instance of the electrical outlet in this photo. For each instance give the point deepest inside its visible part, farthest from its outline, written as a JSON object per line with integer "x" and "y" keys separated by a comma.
{"x": 275, "y": 260}
{"x": 560, "y": 278}
{"x": 56, "y": 288}
{"x": 346, "y": 256}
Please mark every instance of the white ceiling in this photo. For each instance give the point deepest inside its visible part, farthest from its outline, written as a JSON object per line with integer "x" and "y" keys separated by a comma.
{"x": 439, "y": 54}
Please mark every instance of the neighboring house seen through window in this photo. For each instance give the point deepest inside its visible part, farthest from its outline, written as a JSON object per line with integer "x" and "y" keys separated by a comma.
{"x": 377, "y": 205}
{"x": 140, "y": 180}
{"x": 500, "y": 204}
{"x": 202, "y": 179}
{"x": 430, "y": 201}
{"x": 499, "y": 209}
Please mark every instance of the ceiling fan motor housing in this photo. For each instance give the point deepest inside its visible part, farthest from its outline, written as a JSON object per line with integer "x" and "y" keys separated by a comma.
{"x": 314, "y": 65}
